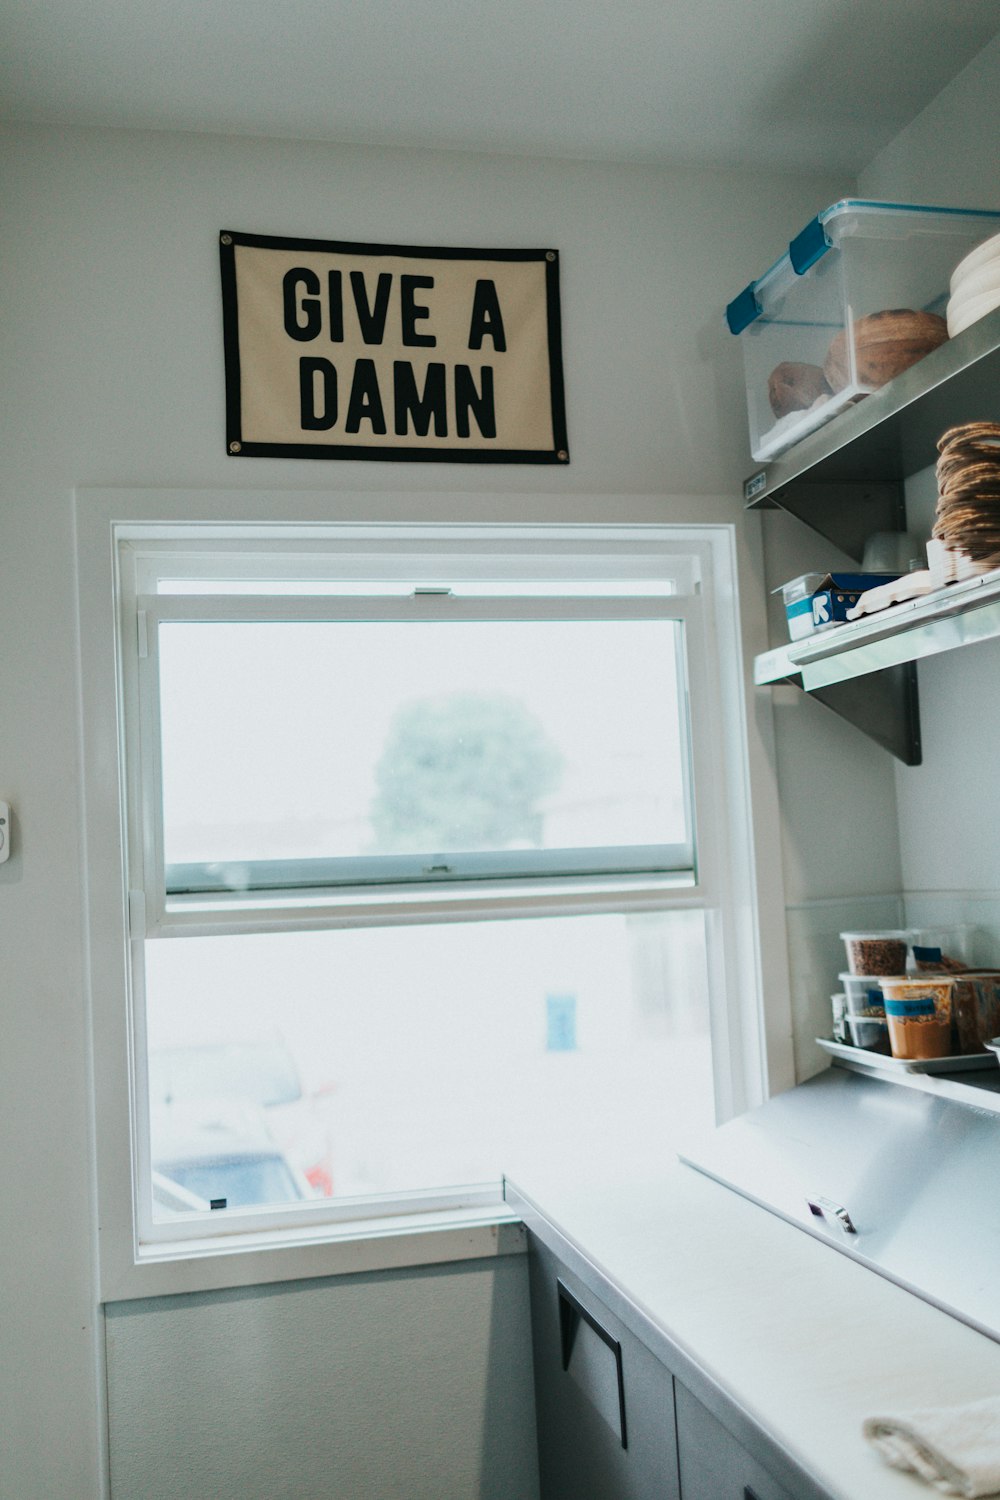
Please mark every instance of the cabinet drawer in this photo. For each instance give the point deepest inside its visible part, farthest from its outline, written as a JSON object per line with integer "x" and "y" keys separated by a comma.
{"x": 604, "y": 1403}
{"x": 713, "y": 1465}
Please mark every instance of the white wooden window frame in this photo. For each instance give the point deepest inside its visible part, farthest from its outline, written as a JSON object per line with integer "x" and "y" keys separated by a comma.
{"x": 122, "y": 543}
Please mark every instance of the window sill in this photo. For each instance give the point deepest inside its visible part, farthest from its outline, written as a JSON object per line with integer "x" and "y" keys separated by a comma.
{"x": 258, "y": 1258}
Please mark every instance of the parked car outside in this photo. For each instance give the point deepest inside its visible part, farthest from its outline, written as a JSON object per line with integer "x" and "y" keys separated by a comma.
{"x": 258, "y": 1073}
{"x": 218, "y": 1155}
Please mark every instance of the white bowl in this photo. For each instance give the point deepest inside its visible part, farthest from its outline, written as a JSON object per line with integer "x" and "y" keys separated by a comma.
{"x": 970, "y": 312}
{"x": 975, "y": 258}
{"x": 982, "y": 278}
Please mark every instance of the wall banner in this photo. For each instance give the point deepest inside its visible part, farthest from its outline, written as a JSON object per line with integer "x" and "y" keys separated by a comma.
{"x": 340, "y": 350}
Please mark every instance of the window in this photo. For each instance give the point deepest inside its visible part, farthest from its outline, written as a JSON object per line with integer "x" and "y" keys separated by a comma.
{"x": 428, "y": 843}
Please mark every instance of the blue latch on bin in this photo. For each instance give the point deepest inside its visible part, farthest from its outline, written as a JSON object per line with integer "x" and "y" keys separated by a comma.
{"x": 807, "y": 248}
{"x": 741, "y": 312}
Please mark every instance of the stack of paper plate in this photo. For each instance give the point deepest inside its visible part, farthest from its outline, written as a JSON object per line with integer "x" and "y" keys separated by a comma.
{"x": 967, "y": 519}
{"x": 975, "y": 286}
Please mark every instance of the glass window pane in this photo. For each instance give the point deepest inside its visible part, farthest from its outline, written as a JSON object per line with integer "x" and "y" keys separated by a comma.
{"x": 423, "y": 1057}
{"x": 302, "y": 740}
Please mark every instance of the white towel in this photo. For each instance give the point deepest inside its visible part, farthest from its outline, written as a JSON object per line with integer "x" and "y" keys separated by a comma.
{"x": 956, "y": 1448}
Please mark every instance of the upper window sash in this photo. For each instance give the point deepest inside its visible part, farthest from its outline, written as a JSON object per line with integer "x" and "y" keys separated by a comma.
{"x": 167, "y": 891}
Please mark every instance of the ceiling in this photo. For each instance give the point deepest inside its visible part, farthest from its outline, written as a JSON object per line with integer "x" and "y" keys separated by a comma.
{"x": 788, "y": 83}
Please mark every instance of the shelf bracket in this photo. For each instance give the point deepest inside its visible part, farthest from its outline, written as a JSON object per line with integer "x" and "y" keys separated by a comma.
{"x": 883, "y": 705}
{"x": 846, "y": 513}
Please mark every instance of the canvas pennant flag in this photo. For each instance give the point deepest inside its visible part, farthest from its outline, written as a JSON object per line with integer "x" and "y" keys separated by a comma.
{"x": 342, "y": 350}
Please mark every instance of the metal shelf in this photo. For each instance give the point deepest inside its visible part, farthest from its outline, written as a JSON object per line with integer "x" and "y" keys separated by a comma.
{"x": 951, "y": 617}
{"x": 846, "y": 481}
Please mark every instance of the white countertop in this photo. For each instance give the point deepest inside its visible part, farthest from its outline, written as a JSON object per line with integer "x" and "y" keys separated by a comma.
{"x": 805, "y": 1340}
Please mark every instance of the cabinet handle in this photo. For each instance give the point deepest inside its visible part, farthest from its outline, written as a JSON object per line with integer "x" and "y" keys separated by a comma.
{"x": 571, "y": 1310}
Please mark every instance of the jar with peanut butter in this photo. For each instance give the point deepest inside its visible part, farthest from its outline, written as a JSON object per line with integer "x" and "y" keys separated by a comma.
{"x": 918, "y": 1014}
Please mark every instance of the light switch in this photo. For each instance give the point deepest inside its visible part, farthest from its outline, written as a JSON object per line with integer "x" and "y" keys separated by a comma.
{"x": 4, "y": 831}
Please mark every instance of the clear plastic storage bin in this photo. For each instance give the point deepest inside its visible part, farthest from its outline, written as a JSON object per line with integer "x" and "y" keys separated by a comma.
{"x": 870, "y": 1033}
{"x": 937, "y": 949}
{"x": 860, "y": 295}
{"x": 863, "y": 995}
{"x": 877, "y": 953}
{"x": 975, "y": 1004}
{"x": 918, "y": 1014}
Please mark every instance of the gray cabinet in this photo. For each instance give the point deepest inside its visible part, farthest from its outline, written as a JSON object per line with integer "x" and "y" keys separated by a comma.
{"x": 605, "y": 1404}
{"x": 615, "y": 1422}
{"x": 713, "y": 1465}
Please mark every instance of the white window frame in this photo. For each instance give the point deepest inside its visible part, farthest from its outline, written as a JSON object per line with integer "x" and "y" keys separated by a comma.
{"x": 414, "y": 1229}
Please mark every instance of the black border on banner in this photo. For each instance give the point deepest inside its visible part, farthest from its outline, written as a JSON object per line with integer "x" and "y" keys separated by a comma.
{"x": 237, "y": 448}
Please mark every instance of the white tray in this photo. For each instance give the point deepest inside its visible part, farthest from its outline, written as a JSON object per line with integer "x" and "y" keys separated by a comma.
{"x": 881, "y": 1062}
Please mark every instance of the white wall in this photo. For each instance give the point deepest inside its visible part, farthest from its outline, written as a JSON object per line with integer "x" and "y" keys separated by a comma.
{"x": 950, "y": 154}
{"x": 112, "y": 350}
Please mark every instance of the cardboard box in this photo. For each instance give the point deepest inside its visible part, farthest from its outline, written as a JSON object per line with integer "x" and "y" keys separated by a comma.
{"x": 816, "y": 600}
